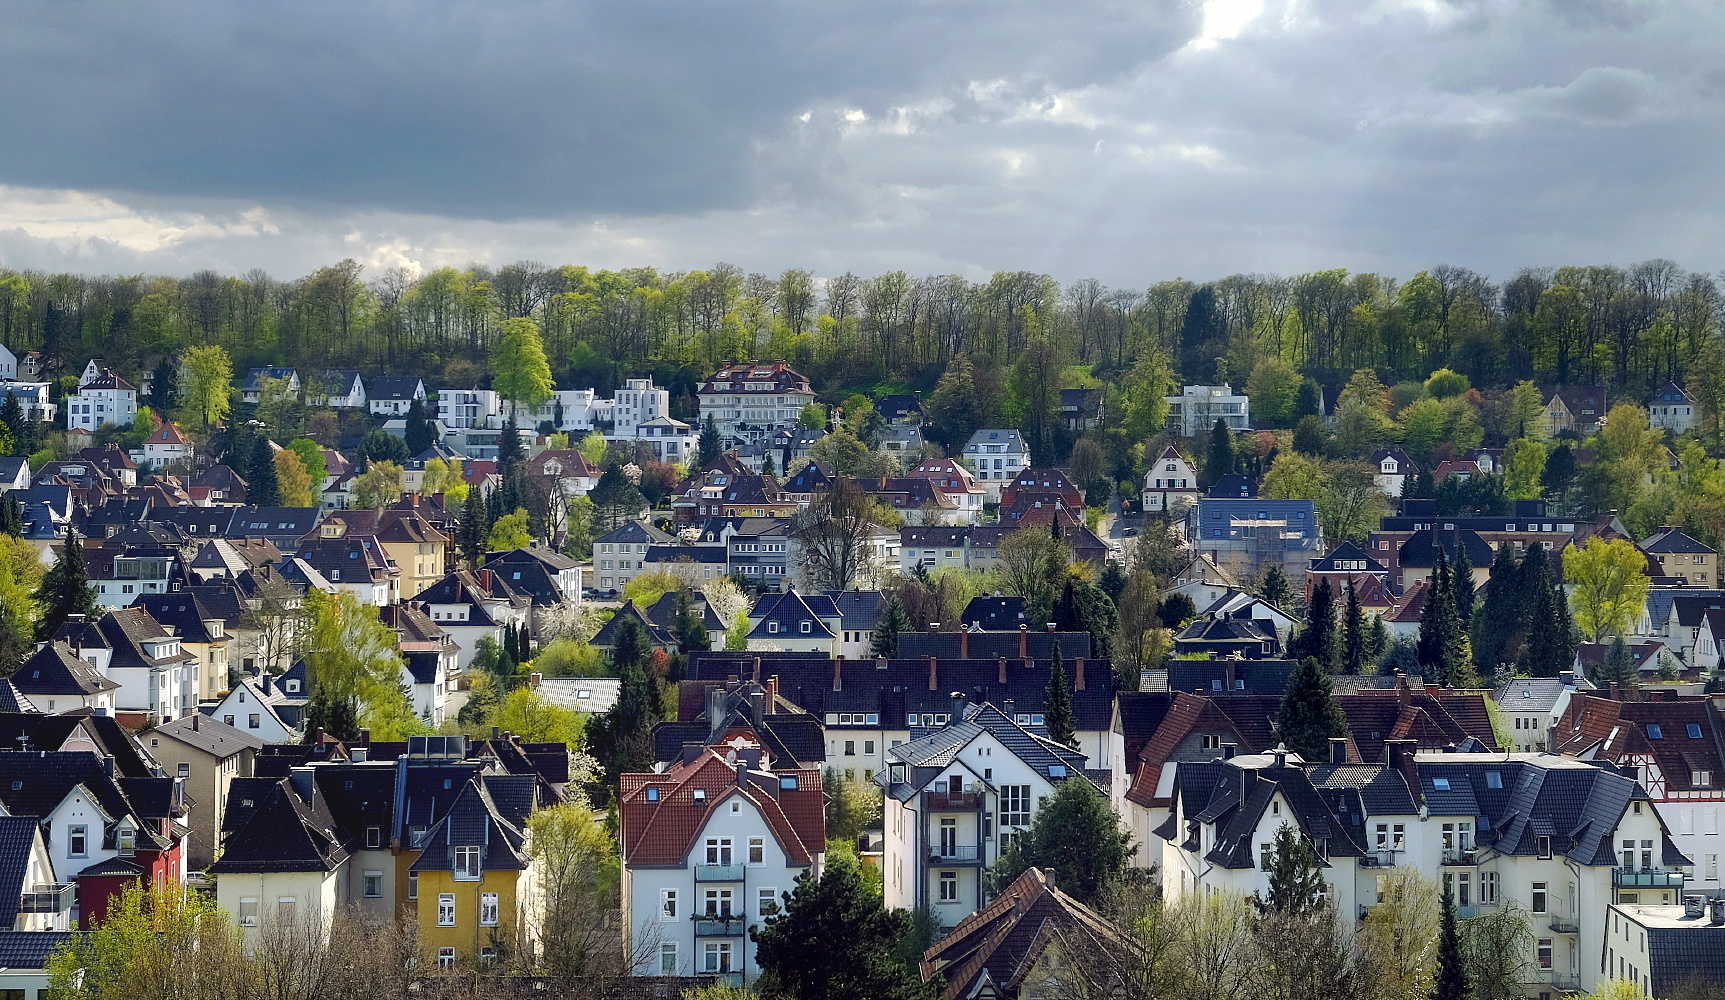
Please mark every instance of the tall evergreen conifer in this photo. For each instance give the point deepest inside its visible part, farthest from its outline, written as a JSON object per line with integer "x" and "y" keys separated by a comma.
{"x": 1618, "y": 668}
{"x": 1440, "y": 626}
{"x": 708, "y": 444}
{"x": 1354, "y": 634}
{"x": 65, "y": 589}
{"x": 884, "y": 642}
{"x": 1452, "y": 969}
{"x": 1318, "y": 639}
{"x": 1499, "y": 624}
{"x": 1309, "y": 716}
{"x": 418, "y": 432}
{"x": 1057, "y": 706}
{"x": 1221, "y": 452}
{"x": 263, "y": 489}
{"x": 1461, "y": 581}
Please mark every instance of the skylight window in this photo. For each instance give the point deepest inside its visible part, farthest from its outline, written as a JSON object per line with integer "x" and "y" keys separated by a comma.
{"x": 1440, "y": 784}
{"x": 1655, "y": 732}
{"x": 1694, "y": 730}
{"x": 1494, "y": 779}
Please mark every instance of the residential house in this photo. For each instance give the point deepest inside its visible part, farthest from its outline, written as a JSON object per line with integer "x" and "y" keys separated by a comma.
{"x": 30, "y": 898}
{"x": 206, "y": 755}
{"x": 1226, "y": 636}
{"x": 1667, "y": 950}
{"x": 747, "y": 709}
{"x": 1577, "y": 408}
{"x": 1528, "y": 524}
{"x": 56, "y": 680}
{"x": 257, "y": 706}
{"x": 14, "y": 474}
{"x": 429, "y": 660}
{"x": 997, "y": 455}
{"x": 956, "y": 797}
{"x": 105, "y": 827}
{"x": 619, "y": 555}
{"x": 1025, "y": 943}
{"x": 572, "y": 472}
{"x": 105, "y": 399}
{"x": 549, "y": 577}
{"x": 477, "y": 882}
{"x": 1679, "y": 555}
{"x": 710, "y": 846}
{"x": 8, "y": 364}
{"x": 1152, "y": 732}
{"x": 282, "y": 859}
{"x": 1171, "y": 484}
{"x": 341, "y": 390}
{"x": 1196, "y": 409}
{"x": 393, "y": 395}
{"x": 1673, "y": 409}
{"x": 1245, "y": 537}
{"x": 36, "y": 399}
{"x": 158, "y": 678}
{"x": 1346, "y": 563}
{"x": 202, "y": 634}
{"x": 473, "y": 605}
{"x": 637, "y": 405}
{"x": 722, "y": 493}
{"x": 1672, "y": 747}
{"x": 1394, "y": 468}
{"x": 469, "y": 408}
{"x": 794, "y": 622}
{"x": 1041, "y": 483}
{"x": 356, "y": 564}
{"x": 252, "y": 389}
{"x": 1417, "y": 559}
{"x": 749, "y": 400}
{"x": 900, "y": 408}
{"x": 954, "y": 481}
{"x": 993, "y": 614}
{"x": 671, "y": 439}
{"x": 1532, "y": 706}
{"x": 1081, "y": 409}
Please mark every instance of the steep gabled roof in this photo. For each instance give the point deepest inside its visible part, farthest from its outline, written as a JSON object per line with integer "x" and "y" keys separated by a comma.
{"x": 286, "y": 833}
{"x": 660, "y": 828}
{"x": 476, "y": 819}
{"x": 56, "y": 670}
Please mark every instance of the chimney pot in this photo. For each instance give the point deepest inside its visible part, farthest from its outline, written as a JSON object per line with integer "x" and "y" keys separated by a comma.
{"x": 839, "y": 674}
{"x": 1050, "y": 626}
{"x": 934, "y": 626}
{"x": 534, "y": 678}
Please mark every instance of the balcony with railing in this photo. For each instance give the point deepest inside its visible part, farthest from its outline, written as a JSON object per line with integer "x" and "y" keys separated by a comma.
{"x": 719, "y": 924}
{"x": 732, "y": 979}
{"x": 1566, "y": 925}
{"x": 718, "y": 873}
{"x": 49, "y": 898}
{"x": 954, "y": 855}
{"x": 1561, "y": 980}
{"x": 952, "y": 801}
{"x": 1460, "y": 856}
{"x": 1646, "y": 878}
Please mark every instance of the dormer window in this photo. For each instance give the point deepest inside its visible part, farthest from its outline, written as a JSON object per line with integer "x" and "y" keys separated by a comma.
{"x": 467, "y": 863}
{"x": 126, "y": 841}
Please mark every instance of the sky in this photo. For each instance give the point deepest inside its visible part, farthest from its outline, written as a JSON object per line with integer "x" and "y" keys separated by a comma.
{"x": 1127, "y": 140}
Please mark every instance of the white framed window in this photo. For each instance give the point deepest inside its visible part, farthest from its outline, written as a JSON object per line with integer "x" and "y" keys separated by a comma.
{"x": 78, "y": 842}
{"x": 717, "y": 957}
{"x": 373, "y": 884}
{"x": 467, "y": 863}
{"x": 757, "y": 850}
{"x": 248, "y": 915}
{"x": 719, "y": 902}
{"x": 668, "y": 959}
{"x": 446, "y": 909}
{"x": 445, "y": 957}
{"x": 767, "y": 901}
{"x": 488, "y": 909}
{"x": 412, "y": 885}
{"x": 1539, "y": 897}
{"x": 667, "y": 904}
{"x": 718, "y": 850}
{"x": 1014, "y": 806}
{"x": 949, "y": 887}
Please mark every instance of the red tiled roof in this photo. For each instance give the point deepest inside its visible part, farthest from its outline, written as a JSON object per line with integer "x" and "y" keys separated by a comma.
{"x": 664, "y": 832}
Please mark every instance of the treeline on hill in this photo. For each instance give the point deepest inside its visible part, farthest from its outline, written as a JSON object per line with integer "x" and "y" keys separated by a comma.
{"x": 1631, "y": 328}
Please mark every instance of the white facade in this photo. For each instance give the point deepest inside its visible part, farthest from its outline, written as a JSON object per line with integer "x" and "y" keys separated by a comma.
{"x": 165, "y": 690}
{"x": 1195, "y": 411}
{"x": 33, "y": 397}
{"x": 1171, "y": 484}
{"x": 75, "y": 831}
{"x": 749, "y": 401}
{"x": 244, "y": 709}
{"x": 8, "y": 364}
{"x": 636, "y": 403}
{"x": 996, "y": 455}
{"x": 1672, "y": 410}
{"x": 108, "y": 399}
{"x": 134, "y": 575}
{"x": 469, "y": 408}
{"x": 263, "y": 900}
{"x": 672, "y": 439}
{"x": 693, "y": 919}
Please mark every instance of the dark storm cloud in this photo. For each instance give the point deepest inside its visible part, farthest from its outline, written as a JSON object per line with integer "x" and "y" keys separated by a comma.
{"x": 497, "y": 108}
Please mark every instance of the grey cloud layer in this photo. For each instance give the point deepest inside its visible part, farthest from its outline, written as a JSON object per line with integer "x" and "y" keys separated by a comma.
{"x": 1102, "y": 138}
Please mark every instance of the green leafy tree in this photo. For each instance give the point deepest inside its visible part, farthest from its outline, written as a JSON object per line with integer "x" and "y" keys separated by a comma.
{"x": 955, "y": 410}
{"x": 1075, "y": 837}
{"x": 150, "y": 944}
{"x": 311, "y": 456}
{"x": 377, "y": 486}
{"x": 353, "y": 658}
{"x": 622, "y": 739}
{"x": 1495, "y": 947}
{"x": 529, "y": 715}
{"x": 207, "y": 385}
{"x": 852, "y": 806}
{"x": 521, "y": 373}
{"x": 1057, "y": 705}
{"x": 65, "y": 589}
{"x": 737, "y": 637}
{"x": 834, "y": 940}
{"x": 1274, "y": 387}
{"x": 1609, "y": 582}
{"x": 1524, "y": 469}
{"x": 1310, "y": 436}
{"x": 893, "y": 622}
{"x": 1309, "y": 716}
{"x": 382, "y": 446}
{"x": 813, "y": 417}
{"x": 1308, "y": 400}
{"x": 690, "y": 627}
{"x": 1296, "y": 876}
{"x": 509, "y": 532}
{"x": 576, "y": 862}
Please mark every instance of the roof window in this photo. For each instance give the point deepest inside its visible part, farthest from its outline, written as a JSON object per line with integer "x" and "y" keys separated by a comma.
{"x": 1655, "y": 731}
{"x": 1440, "y": 784}
{"x": 1694, "y": 730}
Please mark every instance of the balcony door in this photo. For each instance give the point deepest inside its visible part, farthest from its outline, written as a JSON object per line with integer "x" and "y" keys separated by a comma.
{"x": 948, "y": 837}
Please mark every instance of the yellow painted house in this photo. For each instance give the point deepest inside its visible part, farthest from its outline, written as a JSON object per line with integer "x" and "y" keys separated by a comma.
{"x": 475, "y": 882}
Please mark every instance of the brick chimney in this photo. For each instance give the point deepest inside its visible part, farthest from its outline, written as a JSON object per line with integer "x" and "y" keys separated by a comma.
{"x": 963, "y": 643}
{"x": 933, "y": 675}
{"x": 485, "y": 581}
{"x": 1078, "y": 673}
{"x": 1002, "y": 665}
{"x": 1023, "y": 640}
{"x": 838, "y": 675}
{"x": 756, "y": 675}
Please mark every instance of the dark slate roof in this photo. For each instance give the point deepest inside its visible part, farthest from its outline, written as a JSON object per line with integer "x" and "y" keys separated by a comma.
{"x": 1380, "y": 787}
{"x": 1259, "y": 677}
{"x": 663, "y": 613}
{"x": 1235, "y": 794}
{"x": 286, "y": 833}
{"x": 50, "y": 732}
{"x": 991, "y": 645}
{"x": 56, "y": 670}
{"x": 928, "y": 756}
{"x": 1336, "y": 559}
{"x": 209, "y": 734}
{"x": 21, "y": 950}
{"x": 606, "y": 637}
{"x": 17, "y": 839}
{"x": 475, "y": 819}
{"x": 1420, "y": 550}
{"x": 859, "y": 610}
{"x": 908, "y": 685}
{"x": 245, "y": 794}
{"x": 181, "y": 611}
{"x": 394, "y": 387}
{"x": 1235, "y": 487}
{"x": 994, "y": 614}
{"x": 1674, "y": 541}
{"x": 714, "y": 554}
{"x": 790, "y": 612}
{"x": 635, "y": 533}
{"x": 44, "y": 780}
{"x": 1688, "y": 950}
